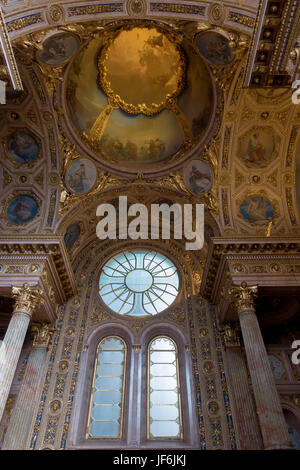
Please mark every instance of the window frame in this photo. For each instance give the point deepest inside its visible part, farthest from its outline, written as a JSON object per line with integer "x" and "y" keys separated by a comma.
{"x": 190, "y": 430}
{"x": 147, "y": 315}
{"x": 83, "y": 392}
{"x": 134, "y": 432}
{"x": 88, "y": 437}
{"x": 179, "y": 439}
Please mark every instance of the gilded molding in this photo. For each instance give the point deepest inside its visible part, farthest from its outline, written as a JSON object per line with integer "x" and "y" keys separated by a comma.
{"x": 290, "y": 204}
{"x": 24, "y": 22}
{"x": 291, "y": 146}
{"x": 95, "y": 9}
{"x": 241, "y": 19}
{"x": 175, "y": 8}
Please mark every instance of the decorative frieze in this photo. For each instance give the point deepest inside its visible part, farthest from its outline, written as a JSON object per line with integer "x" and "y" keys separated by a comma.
{"x": 239, "y": 18}
{"x": 184, "y": 8}
{"x": 93, "y": 9}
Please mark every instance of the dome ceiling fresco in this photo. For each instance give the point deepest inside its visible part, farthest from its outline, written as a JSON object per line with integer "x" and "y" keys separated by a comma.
{"x": 140, "y": 99}
{"x": 139, "y": 102}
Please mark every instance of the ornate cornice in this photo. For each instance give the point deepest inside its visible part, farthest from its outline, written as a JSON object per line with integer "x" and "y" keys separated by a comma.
{"x": 27, "y": 298}
{"x": 49, "y": 248}
{"x": 24, "y": 19}
{"x": 231, "y": 258}
{"x": 9, "y": 55}
{"x": 243, "y": 296}
{"x": 273, "y": 59}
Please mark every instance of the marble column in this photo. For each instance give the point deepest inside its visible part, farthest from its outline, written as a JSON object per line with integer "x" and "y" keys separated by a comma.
{"x": 272, "y": 423}
{"x": 21, "y": 418}
{"x": 27, "y": 298}
{"x": 245, "y": 417}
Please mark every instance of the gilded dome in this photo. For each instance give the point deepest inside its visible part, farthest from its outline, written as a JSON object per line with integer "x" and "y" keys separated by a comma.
{"x": 140, "y": 95}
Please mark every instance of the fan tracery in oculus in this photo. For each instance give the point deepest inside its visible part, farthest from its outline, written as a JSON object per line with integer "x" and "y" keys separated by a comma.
{"x": 139, "y": 283}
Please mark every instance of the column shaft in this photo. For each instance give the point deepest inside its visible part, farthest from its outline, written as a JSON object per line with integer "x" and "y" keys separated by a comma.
{"x": 245, "y": 415}
{"x": 26, "y": 300}
{"x": 10, "y": 352}
{"x": 270, "y": 415}
{"x": 20, "y": 422}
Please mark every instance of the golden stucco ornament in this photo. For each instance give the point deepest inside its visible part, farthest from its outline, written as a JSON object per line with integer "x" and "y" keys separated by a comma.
{"x": 244, "y": 296}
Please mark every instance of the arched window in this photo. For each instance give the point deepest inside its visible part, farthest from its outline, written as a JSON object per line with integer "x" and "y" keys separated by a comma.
{"x": 106, "y": 406}
{"x": 164, "y": 407}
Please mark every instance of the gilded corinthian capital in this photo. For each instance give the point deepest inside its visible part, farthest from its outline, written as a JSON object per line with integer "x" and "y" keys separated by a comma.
{"x": 42, "y": 334}
{"x": 244, "y": 296}
{"x": 27, "y": 298}
{"x": 230, "y": 334}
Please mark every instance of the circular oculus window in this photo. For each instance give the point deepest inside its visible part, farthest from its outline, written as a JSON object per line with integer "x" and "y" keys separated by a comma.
{"x": 138, "y": 283}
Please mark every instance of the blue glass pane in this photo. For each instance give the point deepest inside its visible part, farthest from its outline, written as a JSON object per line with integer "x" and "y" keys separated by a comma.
{"x": 163, "y": 370}
{"x": 163, "y": 395}
{"x": 109, "y": 383}
{"x": 110, "y": 369}
{"x": 164, "y": 412}
{"x": 106, "y": 412}
{"x": 138, "y": 283}
{"x": 104, "y": 429}
{"x": 111, "y": 356}
{"x": 107, "y": 397}
{"x": 163, "y": 383}
{"x": 167, "y": 357}
{"x": 112, "y": 343}
{"x": 164, "y": 429}
{"x": 162, "y": 344}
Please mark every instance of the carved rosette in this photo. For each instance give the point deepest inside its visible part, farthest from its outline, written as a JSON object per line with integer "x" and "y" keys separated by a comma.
{"x": 27, "y": 298}
{"x": 42, "y": 334}
{"x": 244, "y": 296}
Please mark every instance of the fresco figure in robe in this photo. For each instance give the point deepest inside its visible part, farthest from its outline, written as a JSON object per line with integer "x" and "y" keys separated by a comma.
{"x": 256, "y": 150}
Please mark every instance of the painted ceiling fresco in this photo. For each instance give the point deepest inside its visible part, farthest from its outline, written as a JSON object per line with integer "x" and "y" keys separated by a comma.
{"x": 141, "y": 98}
